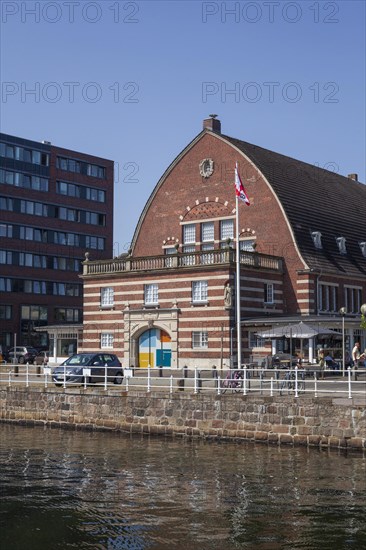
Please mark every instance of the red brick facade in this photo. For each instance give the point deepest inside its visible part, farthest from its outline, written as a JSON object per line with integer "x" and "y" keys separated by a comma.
{"x": 186, "y": 197}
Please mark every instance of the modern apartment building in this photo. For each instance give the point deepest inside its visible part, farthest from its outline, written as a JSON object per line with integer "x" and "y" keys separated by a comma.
{"x": 55, "y": 204}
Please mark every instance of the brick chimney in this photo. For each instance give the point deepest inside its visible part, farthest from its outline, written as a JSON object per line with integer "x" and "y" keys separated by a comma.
{"x": 212, "y": 124}
{"x": 353, "y": 177}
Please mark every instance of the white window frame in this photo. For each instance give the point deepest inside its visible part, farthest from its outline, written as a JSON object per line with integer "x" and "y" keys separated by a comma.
{"x": 106, "y": 340}
{"x": 199, "y": 292}
{"x": 226, "y": 229}
{"x": 151, "y": 294}
{"x": 199, "y": 339}
{"x": 207, "y": 232}
{"x": 107, "y": 296}
{"x": 189, "y": 233}
{"x": 247, "y": 245}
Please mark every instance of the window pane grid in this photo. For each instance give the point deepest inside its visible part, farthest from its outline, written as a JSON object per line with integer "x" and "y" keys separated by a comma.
{"x": 227, "y": 229}
{"x": 107, "y": 296}
{"x": 207, "y": 231}
{"x": 106, "y": 340}
{"x": 199, "y": 340}
{"x": 199, "y": 291}
{"x": 189, "y": 233}
{"x": 151, "y": 293}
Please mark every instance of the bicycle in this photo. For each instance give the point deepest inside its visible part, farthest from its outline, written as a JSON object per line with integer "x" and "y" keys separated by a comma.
{"x": 233, "y": 381}
{"x": 289, "y": 382}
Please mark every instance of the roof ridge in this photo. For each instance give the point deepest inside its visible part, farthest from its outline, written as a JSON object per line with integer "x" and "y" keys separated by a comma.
{"x": 292, "y": 159}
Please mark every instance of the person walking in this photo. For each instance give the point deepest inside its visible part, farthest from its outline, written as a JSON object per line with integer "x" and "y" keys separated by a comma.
{"x": 321, "y": 362}
{"x": 356, "y": 356}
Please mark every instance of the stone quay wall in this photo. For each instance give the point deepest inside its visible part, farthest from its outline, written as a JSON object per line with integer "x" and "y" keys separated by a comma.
{"x": 320, "y": 422}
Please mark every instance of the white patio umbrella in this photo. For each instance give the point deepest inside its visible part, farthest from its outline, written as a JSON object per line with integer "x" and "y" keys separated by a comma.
{"x": 297, "y": 330}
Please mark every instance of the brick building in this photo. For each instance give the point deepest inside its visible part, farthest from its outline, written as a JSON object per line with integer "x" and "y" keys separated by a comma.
{"x": 170, "y": 301}
{"x": 54, "y": 205}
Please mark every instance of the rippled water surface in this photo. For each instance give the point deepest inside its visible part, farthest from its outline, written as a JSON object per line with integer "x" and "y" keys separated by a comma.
{"x": 63, "y": 489}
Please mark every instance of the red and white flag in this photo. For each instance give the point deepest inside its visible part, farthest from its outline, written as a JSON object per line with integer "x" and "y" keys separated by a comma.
{"x": 239, "y": 188}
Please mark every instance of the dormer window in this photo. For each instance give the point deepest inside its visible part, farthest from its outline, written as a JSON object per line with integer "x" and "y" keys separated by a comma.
{"x": 317, "y": 239}
{"x": 363, "y": 248}
{"x": 341, "y": 242}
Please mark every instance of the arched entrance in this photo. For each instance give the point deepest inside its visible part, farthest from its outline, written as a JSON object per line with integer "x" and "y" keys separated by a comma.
{"x": 155, "y": 348}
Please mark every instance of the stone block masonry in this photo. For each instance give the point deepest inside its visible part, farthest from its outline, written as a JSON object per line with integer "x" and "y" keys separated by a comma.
{"x": 321, "y": 422}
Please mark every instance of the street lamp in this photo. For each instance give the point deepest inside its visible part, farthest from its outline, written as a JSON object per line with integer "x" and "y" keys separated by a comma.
{"x": 343, "y": 313}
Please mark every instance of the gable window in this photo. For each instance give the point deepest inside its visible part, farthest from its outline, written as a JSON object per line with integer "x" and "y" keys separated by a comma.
{"x": 199, "y": 292}
{"x": 247, "y": 245}
{"x": 207, "y": 232}
{"x": 226, "y": 230}
{"x": 151, "y": 293}
{"x": 199, "y": 340}
{"x": 189, "y": 233}
{"x": 268, "y": 293}
{"x": 107, "y": 296}
{"x": 363, "y": 248}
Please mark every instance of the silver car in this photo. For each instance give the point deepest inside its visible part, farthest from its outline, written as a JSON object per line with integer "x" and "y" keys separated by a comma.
{"x": 97, "y": 363}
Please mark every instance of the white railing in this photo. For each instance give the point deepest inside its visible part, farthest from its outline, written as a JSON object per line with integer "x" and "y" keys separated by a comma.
{"x": 181, "y": 260}
{"x": 248, "y": 380}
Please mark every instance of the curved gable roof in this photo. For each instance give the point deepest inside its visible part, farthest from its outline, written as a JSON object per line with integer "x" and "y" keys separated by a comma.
{"x": 315, "y": 199}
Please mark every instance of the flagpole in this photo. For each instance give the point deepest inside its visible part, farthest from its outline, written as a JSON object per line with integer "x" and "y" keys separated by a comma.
{"x": 237, "y": 290}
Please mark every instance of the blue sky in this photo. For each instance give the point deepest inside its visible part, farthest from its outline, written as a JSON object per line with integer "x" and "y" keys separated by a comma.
{"x": 132, "y": 81}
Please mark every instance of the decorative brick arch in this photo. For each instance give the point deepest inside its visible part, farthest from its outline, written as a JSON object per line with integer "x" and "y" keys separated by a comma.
{"x": 207, "y": 209}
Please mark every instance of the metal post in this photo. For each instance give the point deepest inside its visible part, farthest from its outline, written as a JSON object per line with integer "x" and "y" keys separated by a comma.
{"x": 218, "y": 385}
{"x": 271, "y": 386}
{"x": 64, "y": 384}
{"x": 315, "y": 385}
{"x": 349, "y": 384}
{"x": 27, "y": 375}
{"x": 9, "y": 384}
{"x": 105, "y": 376}
{"x": 127, "y": 381}
{"x": 245, "y": 381}
{"x": 45, "y": 379}
{"x": 296, "y": 380}
{"x": 148, "y": 379}
{"x": 343, "y": 312}
{"x": 195, "y": 380}
{"x": 171, "y": 384}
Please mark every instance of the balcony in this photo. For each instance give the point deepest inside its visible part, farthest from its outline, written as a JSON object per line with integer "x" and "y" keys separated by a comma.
{"x": 212, "y": 258}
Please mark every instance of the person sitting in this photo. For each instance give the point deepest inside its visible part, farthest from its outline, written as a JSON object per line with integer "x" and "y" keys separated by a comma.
{"x": 330, "y": 363}
{"x": 299, "y": 361}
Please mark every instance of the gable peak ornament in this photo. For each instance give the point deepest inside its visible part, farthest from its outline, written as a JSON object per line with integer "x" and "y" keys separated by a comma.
{"x": 206, "y": 167}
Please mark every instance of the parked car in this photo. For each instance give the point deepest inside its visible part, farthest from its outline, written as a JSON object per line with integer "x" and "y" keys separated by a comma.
{"x": 42, "y": 358}
{"x": 72, "y": 369}
{"x": 21, "y": 354}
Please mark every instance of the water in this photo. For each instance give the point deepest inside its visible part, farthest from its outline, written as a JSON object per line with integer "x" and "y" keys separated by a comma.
{"x": 65, "y": 489}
